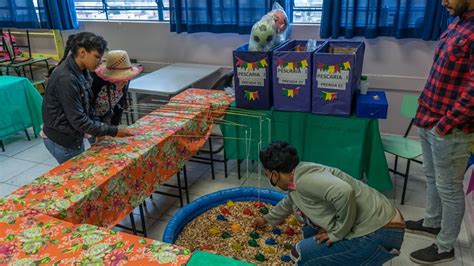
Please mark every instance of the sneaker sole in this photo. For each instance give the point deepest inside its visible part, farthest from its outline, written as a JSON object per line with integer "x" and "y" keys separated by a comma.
{"x": 422, "y": 233}
{"x": 428, "y": 262}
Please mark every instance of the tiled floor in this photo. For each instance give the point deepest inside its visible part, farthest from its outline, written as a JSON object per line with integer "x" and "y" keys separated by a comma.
{"x": 24, "y": 160}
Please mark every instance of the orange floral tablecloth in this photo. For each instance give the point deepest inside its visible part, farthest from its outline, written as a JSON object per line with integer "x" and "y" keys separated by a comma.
{"x": 28, "y": 237}
{"x": 105, "y": 183}
{"x": 217, "y": 100}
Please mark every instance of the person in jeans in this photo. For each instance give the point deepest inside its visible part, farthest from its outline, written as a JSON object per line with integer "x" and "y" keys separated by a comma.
{"x": 445, "y": 120}
{"x": 67, "y": 109}
{"x": 345, "y": 221}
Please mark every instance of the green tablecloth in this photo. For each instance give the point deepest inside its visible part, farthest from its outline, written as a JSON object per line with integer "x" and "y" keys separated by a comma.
{"x": 349, "y": 143}
{"x": 20, "y": 106}
{"x": 200, "y": 258}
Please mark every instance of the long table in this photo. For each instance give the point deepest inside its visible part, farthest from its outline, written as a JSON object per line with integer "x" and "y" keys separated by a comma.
{"x": 169, "y": 81}
{"x": 349, "y": 143}
{"x": 105, "y": 183}
{"x": 28, "y": 237}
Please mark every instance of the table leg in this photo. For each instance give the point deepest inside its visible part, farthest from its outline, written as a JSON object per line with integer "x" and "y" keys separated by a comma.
{"x": 135, "y": 106}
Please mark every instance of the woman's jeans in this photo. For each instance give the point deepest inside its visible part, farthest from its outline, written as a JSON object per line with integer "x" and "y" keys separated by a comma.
{"x": 61, "y": 153}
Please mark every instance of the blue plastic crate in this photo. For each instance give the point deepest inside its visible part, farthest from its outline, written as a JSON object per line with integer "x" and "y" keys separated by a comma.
{"x": 374, "y": 104}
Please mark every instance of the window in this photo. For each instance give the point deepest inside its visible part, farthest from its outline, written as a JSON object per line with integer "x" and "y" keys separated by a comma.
{"x": 155, "y": 10}
{"x": 307, "y": 11}
{"x": 304, "y": 11}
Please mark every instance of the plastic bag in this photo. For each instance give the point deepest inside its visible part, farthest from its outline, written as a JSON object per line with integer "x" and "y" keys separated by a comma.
{"x": 271, "y": 30}
{"x": 312, "y": 45}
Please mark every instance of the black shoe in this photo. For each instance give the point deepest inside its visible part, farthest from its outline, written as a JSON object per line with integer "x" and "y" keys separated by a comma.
{"x": 430, "y": 255}
{"x": 416, "y": 227}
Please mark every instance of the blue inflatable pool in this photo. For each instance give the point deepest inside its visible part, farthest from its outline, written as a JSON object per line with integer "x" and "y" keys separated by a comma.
{"x": 209, "y": 201}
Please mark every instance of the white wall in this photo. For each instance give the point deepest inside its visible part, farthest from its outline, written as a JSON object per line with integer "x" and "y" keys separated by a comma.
{"x": 397, "y": 66}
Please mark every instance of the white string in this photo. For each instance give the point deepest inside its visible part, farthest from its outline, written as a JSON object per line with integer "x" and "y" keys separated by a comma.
{"x": 248, "y": 154}
{"x": 259, "y": 167}
{"x": 246, "y": 146}
{"x": 269, "y": 120}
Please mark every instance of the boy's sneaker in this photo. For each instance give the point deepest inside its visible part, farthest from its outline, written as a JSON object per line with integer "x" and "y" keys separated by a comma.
{"x": 430, "y": 255}
{"x": 416, "y": 227}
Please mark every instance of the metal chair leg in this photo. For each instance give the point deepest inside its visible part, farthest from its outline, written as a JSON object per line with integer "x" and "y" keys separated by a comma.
{"x": 407, "y": 171}
{"x": 31, "y": 72}
{"x": 395, "y": 164}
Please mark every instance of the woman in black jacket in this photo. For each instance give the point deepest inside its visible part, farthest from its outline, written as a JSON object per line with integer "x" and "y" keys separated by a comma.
{"x": 67, "y": 103}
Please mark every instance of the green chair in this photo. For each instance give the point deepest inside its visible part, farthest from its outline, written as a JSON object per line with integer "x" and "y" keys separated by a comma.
{"x": 401, "y": 146}
{"x": 18, "y": 63}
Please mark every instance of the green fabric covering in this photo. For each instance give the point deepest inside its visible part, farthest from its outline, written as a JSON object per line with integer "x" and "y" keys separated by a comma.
{"x": 201, "y": 258}
{"x": 349, "y": 143}
{"x": 20, "y": 106}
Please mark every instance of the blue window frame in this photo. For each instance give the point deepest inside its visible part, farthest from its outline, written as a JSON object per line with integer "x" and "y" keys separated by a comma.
{"x": 140, "y": 10}
{"x": 307, "y": 11}
{"x": 304, "y": 11}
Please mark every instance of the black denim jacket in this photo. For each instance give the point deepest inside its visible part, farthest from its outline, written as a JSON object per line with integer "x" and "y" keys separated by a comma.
{"x": 67, "y": 108}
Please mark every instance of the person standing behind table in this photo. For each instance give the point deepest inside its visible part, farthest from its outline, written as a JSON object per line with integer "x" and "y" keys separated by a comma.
{"x": 67, "y": 109}
{"x": 110, "y": 82}
{"x": 445, "y": 120}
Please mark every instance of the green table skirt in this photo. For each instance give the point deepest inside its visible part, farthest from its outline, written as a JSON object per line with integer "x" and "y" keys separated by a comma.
{"x": 349, "y": 143}
{"x": 20, "y": 106}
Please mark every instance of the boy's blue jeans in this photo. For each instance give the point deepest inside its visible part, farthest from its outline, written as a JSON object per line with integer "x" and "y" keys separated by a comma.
{"x": 372, "y": 249}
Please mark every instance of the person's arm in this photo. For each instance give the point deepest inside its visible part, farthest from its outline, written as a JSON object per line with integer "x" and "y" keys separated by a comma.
{"x": 280, "y": 212}
{"x": 326, "y": 186}
{"x": 69, "y": 95}
{"x": 463, "y": 109}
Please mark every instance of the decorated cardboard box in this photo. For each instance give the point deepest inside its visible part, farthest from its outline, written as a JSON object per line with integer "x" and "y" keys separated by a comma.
{"x": 337, "y": 67}
{"x": 291, "y": 70}
{"x": 374, "y": 104}
{"x": 252, "y": 72}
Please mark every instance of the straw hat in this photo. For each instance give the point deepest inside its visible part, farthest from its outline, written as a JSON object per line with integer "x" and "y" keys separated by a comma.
{"x": 117, "y": 67}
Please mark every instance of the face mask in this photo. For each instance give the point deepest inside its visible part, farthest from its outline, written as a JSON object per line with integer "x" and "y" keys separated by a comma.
{"x": 271, "y": 182}
{"x": 274, "y": 184}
